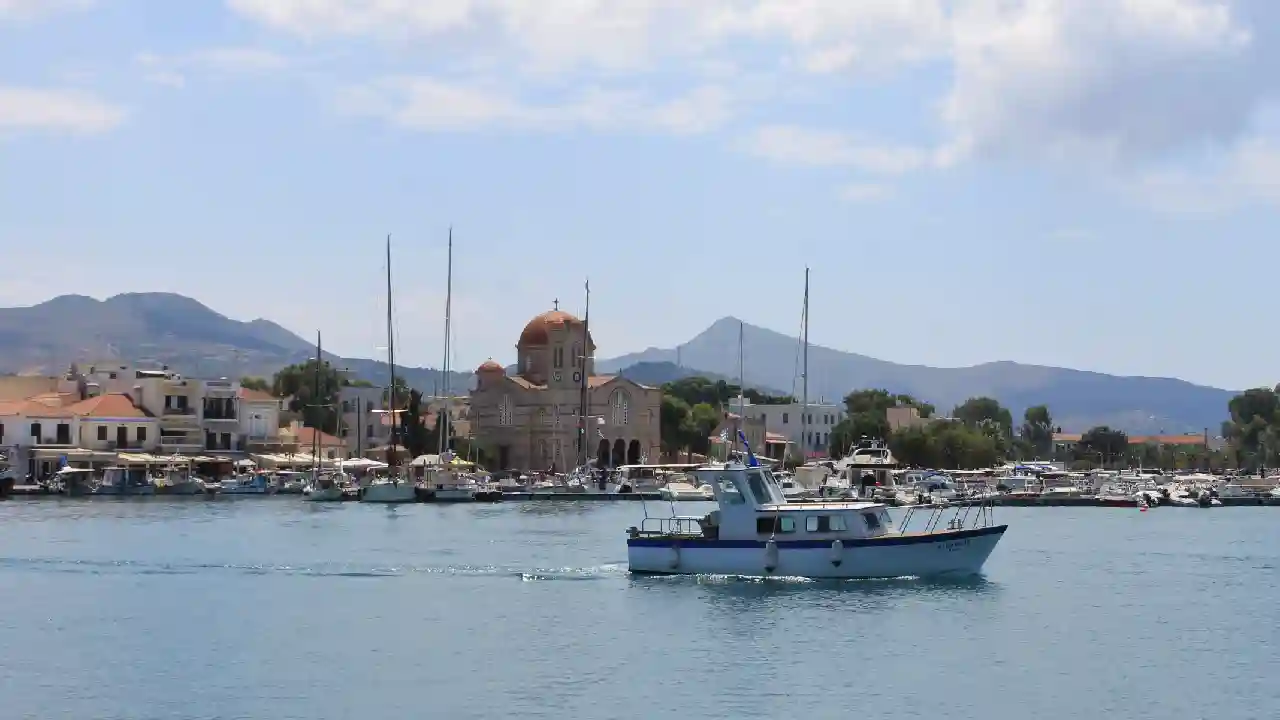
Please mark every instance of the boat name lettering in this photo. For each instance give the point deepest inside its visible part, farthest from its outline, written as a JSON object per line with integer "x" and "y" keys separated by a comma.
{"x": 954, "y": 545}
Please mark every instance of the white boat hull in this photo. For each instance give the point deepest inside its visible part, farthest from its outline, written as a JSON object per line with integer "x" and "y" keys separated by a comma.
{"x": 329, "y": 494}
{"x": 385, "y": 492}
{"x": 947, "y": 553}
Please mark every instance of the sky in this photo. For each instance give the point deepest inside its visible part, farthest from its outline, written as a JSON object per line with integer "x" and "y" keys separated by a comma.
{"x": 1079, "y": 183}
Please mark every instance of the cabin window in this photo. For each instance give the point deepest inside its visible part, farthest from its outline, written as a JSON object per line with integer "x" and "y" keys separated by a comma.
{"x": 729, "y": 491}
{"x": 872, "y": 521}
{"x": 824, "y": 523}
{"x": 758, "y": 489}
{"x": 775, "y": 525}
{"x": 102, "y": 433}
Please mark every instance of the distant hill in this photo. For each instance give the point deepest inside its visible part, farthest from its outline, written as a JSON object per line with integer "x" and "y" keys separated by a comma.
{"x": 168, "y": 329}
{"x": 655, "y": 374}
{"x": 1078, "y": 400}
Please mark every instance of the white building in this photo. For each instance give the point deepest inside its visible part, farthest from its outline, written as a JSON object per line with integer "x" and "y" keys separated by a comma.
{"x": 360, "y": 424}
{"x": 788, "y": 421}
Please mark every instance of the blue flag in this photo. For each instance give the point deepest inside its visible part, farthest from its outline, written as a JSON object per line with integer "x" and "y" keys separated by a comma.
{"x": 751, "y": 457}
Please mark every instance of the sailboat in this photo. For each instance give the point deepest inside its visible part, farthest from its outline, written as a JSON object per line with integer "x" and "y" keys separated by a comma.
{"x": 448, "y": 482}
{"x": 320, "y": 487}
{"x": 392, "y": 488}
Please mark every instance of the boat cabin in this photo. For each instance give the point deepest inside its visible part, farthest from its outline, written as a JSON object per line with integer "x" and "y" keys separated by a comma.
{"x": 752, "y": 507}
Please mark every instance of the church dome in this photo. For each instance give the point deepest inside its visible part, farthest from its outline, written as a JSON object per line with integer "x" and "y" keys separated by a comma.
{"x": 489, "y": 366}
{"x": 538, "y": 331}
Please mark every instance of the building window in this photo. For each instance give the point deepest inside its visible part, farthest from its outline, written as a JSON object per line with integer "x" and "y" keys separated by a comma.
{"x": 142, "y": 434}
{"x": 505, "y": 412}
{"x": 555, "y": 414}
{"x": 557, "y": 356}
{"x": 577, "y": 355}
{"x": 64, "y": 434}
{"x": 102, "y": 433}
{"x": 621, "y": 408}
{"x": 368, "y": 431}
{"x": 785, "y": 418}
{"x": 542, "y": 416}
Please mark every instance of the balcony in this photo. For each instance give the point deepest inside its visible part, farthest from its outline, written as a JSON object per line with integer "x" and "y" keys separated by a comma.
{"x": 179, "y": 411}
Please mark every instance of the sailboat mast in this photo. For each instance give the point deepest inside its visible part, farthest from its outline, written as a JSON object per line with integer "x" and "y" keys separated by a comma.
{"x": 804, "y": 375}
{"x": 315, "y": 393}
{"x": 443, "y": 417}
{"x": 582, "y": 388}
{"x": 742, "y": 383}
{"x": 391, "y": 363}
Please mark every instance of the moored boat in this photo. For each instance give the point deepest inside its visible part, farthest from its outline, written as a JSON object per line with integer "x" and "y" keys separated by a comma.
{"x": 756, "y": 532}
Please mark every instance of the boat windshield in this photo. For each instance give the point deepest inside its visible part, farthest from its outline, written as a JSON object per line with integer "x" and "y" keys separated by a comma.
{"x": 762, "y": 488}
{"x": 730, "y": 493}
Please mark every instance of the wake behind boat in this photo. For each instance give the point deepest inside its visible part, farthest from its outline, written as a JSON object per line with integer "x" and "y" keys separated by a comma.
{"x": 756, "y": 532}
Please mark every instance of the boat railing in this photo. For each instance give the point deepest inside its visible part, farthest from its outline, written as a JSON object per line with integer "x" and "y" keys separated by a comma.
{"x": 963, "y": 515}
{"x": 684, "y": 526}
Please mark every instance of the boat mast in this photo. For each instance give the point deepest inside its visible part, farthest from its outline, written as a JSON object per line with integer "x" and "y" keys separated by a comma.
{"x": 804, "y": 375}
{"x": 391, "y": 365}
{"x": 742, "y": 382}
{"x": 315, "y": 392}
{"x": 582, "y": 389}
{"x": 443, "y": 417}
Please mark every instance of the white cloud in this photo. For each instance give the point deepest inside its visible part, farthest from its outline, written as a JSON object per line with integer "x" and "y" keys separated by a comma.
{"x": 434, "y": 104}
{"x": 1100, "y": 81}
{"x": 1114, "y": 86}
{"x": 1249, "y": 174}
{"x": 32, "y": 9}
{"x": 802, "y": 146}
{"x": 171, "y": 70}
{"x": 865, "y": 192}
{"x": 68, "y": 111}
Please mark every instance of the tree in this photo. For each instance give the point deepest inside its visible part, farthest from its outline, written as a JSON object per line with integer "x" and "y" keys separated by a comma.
{"x": 703, "y": 420}
{"x": 255, "y": 383}
{"x": 1104, "y": 444}
{"x": 298, "y": 382}
{"x": 867, "y": 416}
{"x": 1037, "y": 430}
{"x": 416, "y": 438}
{"x": 977, "y": 411}
{"x": 1253, "y": 432}
{"x": 673, "y": 425}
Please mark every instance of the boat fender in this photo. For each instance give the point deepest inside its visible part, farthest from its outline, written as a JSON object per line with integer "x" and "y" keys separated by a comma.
{"x": 674, "y": 562}
{"x": 770, "y": 556}
{"x": 837, "y": 552}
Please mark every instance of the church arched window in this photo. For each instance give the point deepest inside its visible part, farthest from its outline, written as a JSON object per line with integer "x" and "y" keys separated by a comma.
{"x": 620, "y": 408}
{"x": 505, "y": 411}
{"x": 577, "y": 355}
{"x": 542, "y": 416}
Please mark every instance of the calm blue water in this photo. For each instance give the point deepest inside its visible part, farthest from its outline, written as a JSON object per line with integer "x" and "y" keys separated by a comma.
{"x": 279, "y": 609}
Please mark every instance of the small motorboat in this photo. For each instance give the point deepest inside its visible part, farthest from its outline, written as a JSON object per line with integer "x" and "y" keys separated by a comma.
{"x": 679, "y": 490}
{"x": 246, "y": 484}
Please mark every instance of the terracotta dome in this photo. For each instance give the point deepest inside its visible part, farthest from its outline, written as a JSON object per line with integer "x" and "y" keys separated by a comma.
{"x": 538, "y": 331}
{"x": 489, "y": 366}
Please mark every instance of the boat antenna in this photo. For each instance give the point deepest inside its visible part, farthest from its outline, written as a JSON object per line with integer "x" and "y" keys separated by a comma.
{"x": 742, "y": 382}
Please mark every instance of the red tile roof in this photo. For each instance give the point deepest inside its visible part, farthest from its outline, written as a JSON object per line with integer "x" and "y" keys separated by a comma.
{"x": 307, "y": 438}
{"x": 111, "y": 405}
{"x": 251, "y": 395}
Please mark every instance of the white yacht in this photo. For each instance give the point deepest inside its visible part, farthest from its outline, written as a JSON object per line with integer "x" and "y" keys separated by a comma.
{"x": 681, "y": 490}
{"x": 755, "y": 532}
{"x": 451, "y": 485}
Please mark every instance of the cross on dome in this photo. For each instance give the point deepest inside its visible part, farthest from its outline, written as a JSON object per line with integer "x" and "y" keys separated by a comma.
{"x": 556, "y": 304}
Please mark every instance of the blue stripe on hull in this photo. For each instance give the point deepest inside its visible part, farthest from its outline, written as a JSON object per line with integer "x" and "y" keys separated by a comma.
{"x": 806, "y": 544}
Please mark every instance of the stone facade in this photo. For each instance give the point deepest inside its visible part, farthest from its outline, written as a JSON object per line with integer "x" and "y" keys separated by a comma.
{"x": 529, "y": 420}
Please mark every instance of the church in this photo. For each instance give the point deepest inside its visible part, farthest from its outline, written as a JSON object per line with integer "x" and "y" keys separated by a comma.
{"x": 529, "y": 419}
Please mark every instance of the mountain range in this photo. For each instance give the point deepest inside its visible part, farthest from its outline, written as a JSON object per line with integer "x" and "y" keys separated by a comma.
{"x": 1077, "y": 399}
{"x": 173, "y": 330}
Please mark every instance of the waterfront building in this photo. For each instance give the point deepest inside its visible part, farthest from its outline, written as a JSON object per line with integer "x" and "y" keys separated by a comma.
{"x": 361, "y": 426}
{"x": 787, "y": 425}
{"x": 530, "y": 419}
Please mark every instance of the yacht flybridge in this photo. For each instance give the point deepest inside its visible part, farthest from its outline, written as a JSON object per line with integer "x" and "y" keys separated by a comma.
{"x": 756, "y": 532}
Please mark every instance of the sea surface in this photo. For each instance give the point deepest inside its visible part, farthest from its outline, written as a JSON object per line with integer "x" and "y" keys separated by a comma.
{"x": 275, "y": 609}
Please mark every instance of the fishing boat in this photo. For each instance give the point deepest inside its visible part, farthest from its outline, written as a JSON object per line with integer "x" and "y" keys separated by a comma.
{"x": 246, "y": 484}
{"x": 123, "y": 481}
{"x": 390, "y": 488}
{"x": 755, "y": 532}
